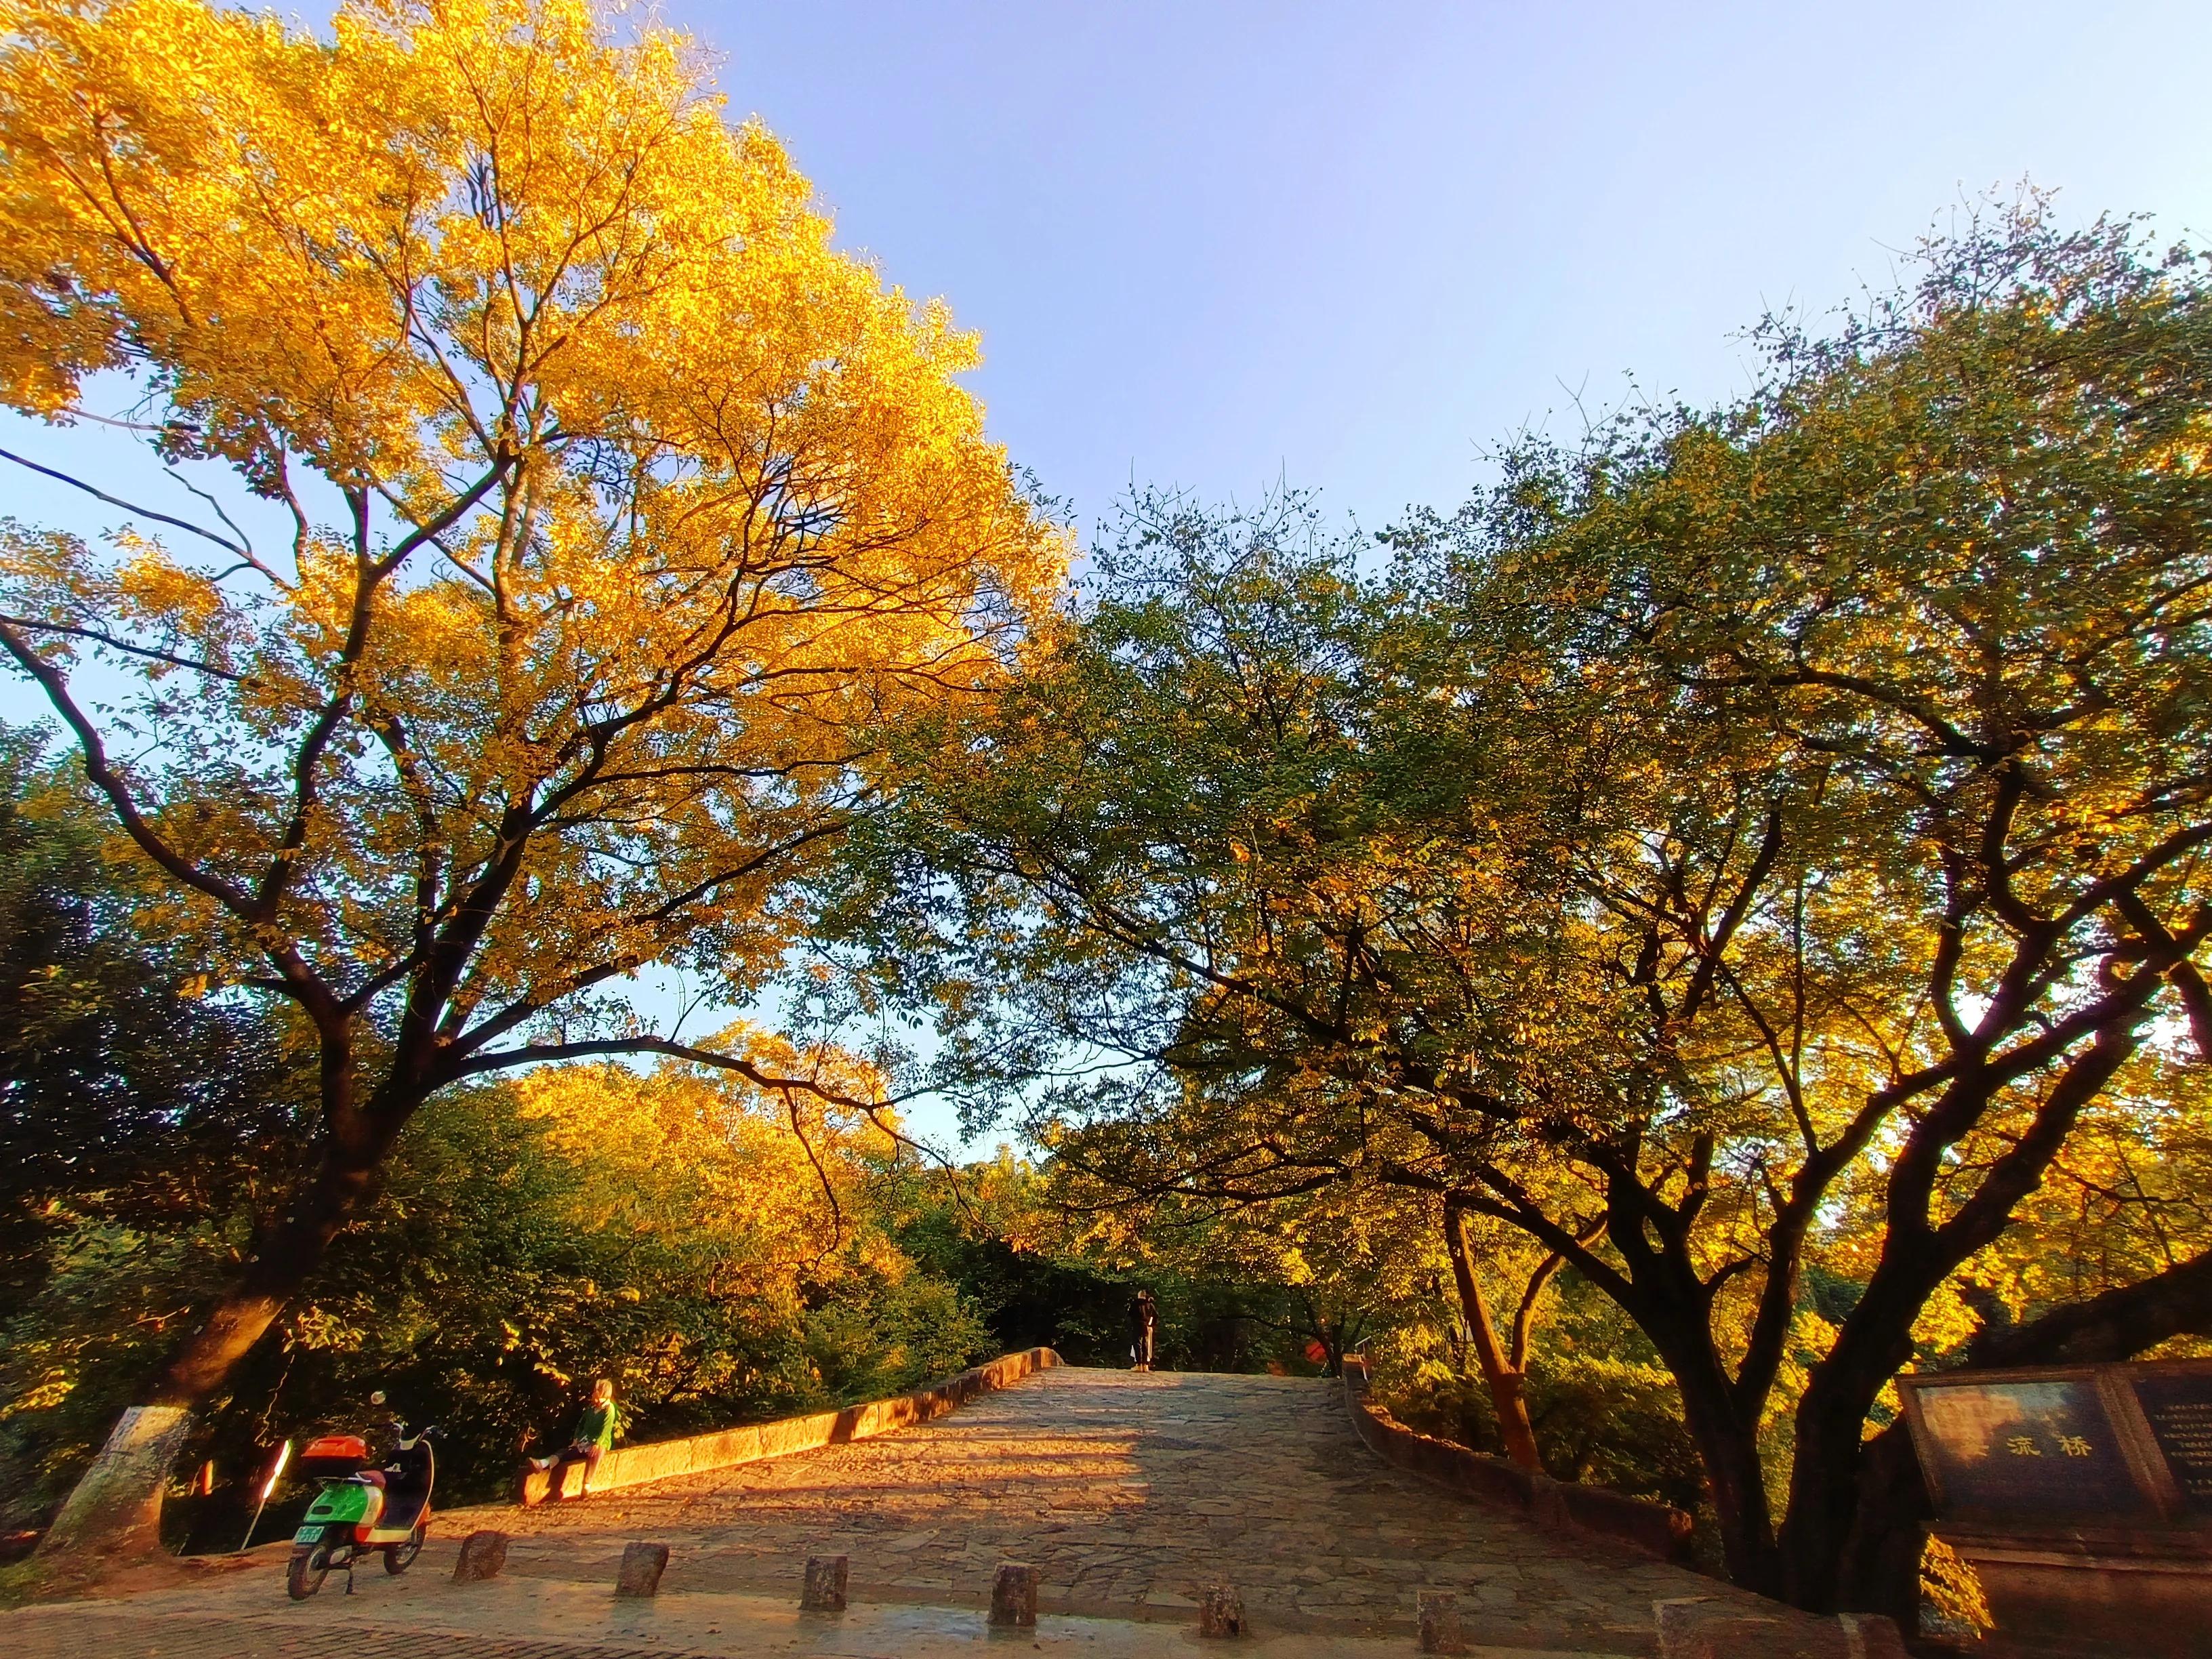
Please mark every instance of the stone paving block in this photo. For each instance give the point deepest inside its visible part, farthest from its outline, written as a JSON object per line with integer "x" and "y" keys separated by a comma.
{"x": 1702, "y": 1628}
{"x": 827, "y": 1576}
{"x": 1440, "y": 1625}
{"x": 1221, "y": 1612}
{"x": 1871, "y": 1635}
{"x": 483, "y": 1555}
{"x": 641, "y": 1570}
{"x": 1014, "y": 1594}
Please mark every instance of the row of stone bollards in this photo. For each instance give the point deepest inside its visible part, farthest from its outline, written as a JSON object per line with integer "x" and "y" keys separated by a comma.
{"x": 1013, "y": 1591}
{"x": 1013, "y": 1596}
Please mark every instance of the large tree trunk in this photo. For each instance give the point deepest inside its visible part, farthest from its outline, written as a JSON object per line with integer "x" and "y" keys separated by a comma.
{"x": 114, "y": 1512}
{"x": 1878, "y": 1568}
{"x": 1506, "y": 1381}
{"x": 1728, "y": 1447}
{"x": 275, "y": 1273}
{"x": 1825, "y": 1489}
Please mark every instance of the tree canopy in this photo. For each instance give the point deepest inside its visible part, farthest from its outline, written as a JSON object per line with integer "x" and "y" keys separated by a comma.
{"x": 1756, "y": 846}
{"x": 614, "y": 511}
{"x": 1729, "y": 903}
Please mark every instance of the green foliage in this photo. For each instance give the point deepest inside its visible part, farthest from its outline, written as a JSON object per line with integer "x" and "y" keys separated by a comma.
{"x": 124, "y": 1095}
{"x": 1041, "y": 1277}
{"x": 1027, "y": 1298}
{"x": 472, "y": 1298}
{"x": 668, "y": 1232}
{"x": 1604, "y": 1408}
{"x": 104, "y": 1316}
{"x": 1611, "y": 1422}
{"x": 1754, "y": 851}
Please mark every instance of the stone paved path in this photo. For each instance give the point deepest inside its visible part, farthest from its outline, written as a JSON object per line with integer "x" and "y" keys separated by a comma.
{"x": 431, "y": 1618}
{"x": 1130, "y": 1492}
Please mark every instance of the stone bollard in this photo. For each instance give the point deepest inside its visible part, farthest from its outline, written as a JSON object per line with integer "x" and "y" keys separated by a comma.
{"x": 1221, "y": 1612}
{"x": 483, "y": 1555}
{"x": 642, "y": 1567}
{"x": 1440, "y": 1630}
{"x": 826, "y": 1578}
{"x": 1547, "y": 1504}
{"x": 1014, "y": 1594}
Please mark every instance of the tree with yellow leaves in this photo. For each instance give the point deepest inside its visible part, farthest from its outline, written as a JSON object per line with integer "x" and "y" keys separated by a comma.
{"x": 617, "y": 512}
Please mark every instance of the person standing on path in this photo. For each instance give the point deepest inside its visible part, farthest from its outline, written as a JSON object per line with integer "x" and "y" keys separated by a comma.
{"x": 1144, "y": 1329}
{"x": 595, "y": 1434}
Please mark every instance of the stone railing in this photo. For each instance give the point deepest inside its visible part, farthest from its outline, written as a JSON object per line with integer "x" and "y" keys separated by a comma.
{"x": 659, "y": 1460}
{"x": 1658, "y": 1527}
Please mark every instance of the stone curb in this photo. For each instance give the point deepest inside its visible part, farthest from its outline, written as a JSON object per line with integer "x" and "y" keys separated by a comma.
{"x": 1696, "y": 1627}
{"x": 664, "y": 1460}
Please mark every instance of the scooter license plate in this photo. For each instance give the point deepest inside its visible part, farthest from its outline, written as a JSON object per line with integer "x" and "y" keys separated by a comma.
{"x": 308, "y": 1535}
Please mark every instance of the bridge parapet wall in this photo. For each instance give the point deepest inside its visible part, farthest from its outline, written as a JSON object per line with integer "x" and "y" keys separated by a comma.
{"x": 662, "y": 1460}
{"x": 1658, "y": 1527}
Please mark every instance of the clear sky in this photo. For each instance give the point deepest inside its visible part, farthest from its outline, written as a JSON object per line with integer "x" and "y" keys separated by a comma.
{"x": 1217, "y": 243}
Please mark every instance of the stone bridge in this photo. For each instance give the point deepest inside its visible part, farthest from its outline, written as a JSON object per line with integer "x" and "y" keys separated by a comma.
{"x": 1131, "y": 1492}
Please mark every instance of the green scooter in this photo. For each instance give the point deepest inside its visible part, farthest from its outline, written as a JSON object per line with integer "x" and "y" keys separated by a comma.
{"x": 361, "y": 1509}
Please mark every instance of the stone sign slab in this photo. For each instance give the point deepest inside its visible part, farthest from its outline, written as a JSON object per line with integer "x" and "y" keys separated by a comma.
{"x": 2080, "y": 1494}
{"x": 2177, "y": 1407}
{"x": 2041, "y": 1446}
{"x": 2124, "y": 1445}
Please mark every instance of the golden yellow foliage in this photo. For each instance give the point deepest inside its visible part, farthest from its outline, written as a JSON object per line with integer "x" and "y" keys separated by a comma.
{"x": 645, "y": 498}
{"x": 620, "y": 515}
{"x": 695, "y": 1156}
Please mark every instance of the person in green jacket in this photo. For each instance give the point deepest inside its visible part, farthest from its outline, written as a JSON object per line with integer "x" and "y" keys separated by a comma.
{"x": 595, "y": 1434}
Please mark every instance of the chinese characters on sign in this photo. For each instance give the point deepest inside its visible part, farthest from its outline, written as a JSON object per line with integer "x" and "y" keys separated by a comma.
{"x": 2039, "y": 1446}
{"x": 2178, "y": 1406}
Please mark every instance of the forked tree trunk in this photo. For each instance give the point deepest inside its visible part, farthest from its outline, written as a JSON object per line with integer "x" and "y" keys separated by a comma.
{"x": 1507, "y": 1381}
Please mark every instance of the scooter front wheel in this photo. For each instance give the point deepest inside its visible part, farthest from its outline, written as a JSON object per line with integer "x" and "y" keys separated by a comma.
{"x": 304, "y": 1576}
{"x": 398, "y": 1558}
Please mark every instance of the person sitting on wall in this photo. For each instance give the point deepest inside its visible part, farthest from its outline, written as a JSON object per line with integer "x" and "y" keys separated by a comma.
{"x": 595, "y": 1434}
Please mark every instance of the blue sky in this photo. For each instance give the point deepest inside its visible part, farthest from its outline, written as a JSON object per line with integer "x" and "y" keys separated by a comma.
{"x": 1215, "y": 245}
